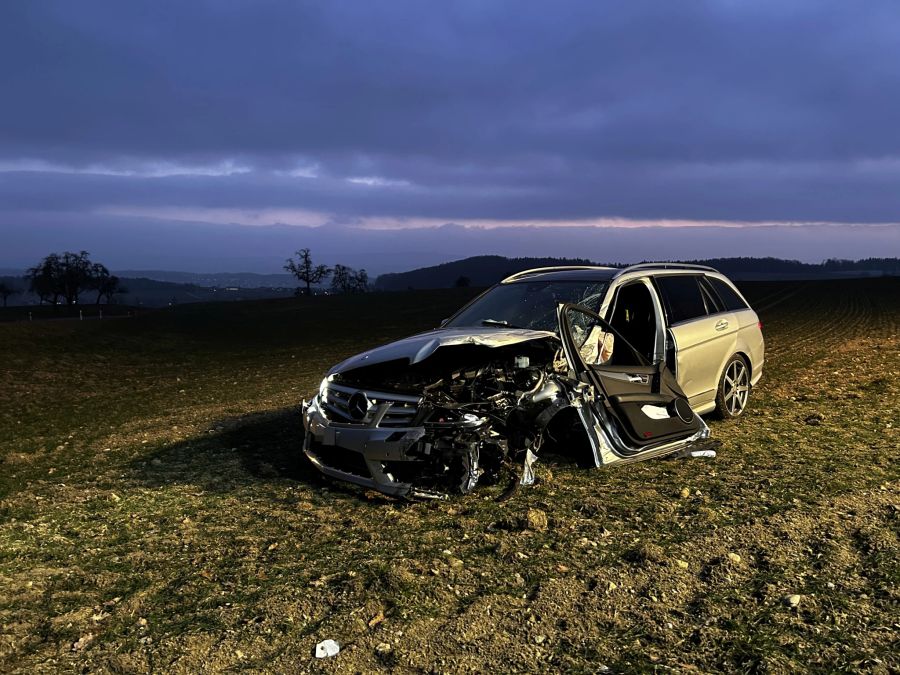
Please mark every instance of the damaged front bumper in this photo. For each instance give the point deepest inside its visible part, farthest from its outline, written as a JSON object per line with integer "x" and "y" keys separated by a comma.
{"x": 370, "y": 456}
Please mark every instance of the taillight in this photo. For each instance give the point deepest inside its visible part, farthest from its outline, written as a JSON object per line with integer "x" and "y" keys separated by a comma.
{"x": 759, "y": 325}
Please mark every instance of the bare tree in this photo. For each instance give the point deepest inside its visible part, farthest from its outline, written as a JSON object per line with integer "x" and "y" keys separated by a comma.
{"x": 44, "y": 279}
{"x": 359, "y": 281}
{"x": 340, "y": 278}
{"x": 104, "y": 283}
{"x": 68, "y": 275}
{"x": 348, "y": 280}
{"x": 112, "y": 286}
{"x": 65, "y": 275}
{"x": 7, "y": 290}
{"x": 304, "y": 269}
{"x": 75, "y": 274}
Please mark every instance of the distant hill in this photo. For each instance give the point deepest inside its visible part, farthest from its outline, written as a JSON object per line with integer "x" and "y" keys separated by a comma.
{"x": 489, "y": 269}
{"x": 216, "y": 279}
{"x": 477, "y": 271}
{"x": 208, "y": 279}
{"x": 481, "y": 270}
{"x": 153, "y": 293}
{"x": 749, "y": 269}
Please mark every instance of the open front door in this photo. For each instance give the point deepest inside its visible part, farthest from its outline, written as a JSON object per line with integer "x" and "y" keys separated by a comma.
{"x": 631, "y": 408}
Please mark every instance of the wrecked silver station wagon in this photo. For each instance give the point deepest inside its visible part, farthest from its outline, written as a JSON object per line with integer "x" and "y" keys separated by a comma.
{"x": 435, "y": 413}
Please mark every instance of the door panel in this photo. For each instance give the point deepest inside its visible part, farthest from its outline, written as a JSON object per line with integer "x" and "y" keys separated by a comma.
{"x": 643, "y": 400}
{"x": 701, "y": 347}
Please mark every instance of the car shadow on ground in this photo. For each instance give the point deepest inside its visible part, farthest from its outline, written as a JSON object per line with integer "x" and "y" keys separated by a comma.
{"x": 234, "y": 451}
{"x": 246, "y": 451}
{"x": 265, "y": 447}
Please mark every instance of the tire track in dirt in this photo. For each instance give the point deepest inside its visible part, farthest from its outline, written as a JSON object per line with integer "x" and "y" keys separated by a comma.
{"x": 819, "y": 323}
{"x": 781, "y": 295}
{"x": 790, "y": 325}
{"x": 814, "y": 331}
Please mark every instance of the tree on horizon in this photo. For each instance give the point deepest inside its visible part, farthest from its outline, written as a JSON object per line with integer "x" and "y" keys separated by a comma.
{"x": 106, "y": 284}
{"x": 304, "y": 269}
{"x": 65, "y": 275}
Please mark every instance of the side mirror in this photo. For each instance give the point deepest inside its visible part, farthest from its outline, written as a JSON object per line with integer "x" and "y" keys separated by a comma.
{"x": 443, "y": 323}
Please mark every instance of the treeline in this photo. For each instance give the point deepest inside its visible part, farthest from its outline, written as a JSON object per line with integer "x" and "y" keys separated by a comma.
{"x": 764, "y": 265}
{"x": 343, "y": 279}
{"x": 66, "y": 276}
{"x": 486, "y": 270}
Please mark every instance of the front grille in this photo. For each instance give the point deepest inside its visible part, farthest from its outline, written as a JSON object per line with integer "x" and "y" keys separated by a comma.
{"x": 401, "y": 412}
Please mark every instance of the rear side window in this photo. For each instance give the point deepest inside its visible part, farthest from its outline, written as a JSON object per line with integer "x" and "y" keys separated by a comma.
{"x": 710, "y": 297}
{"x": 681, "y": 295}
{"x": 730, "y": 299}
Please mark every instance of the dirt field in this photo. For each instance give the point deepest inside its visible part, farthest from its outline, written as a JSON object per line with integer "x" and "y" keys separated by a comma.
{"x": 155, "y": 514}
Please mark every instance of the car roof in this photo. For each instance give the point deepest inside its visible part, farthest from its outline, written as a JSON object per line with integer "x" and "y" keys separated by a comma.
{"x": 563, "y": 274}
{"x": 598, "y": 273}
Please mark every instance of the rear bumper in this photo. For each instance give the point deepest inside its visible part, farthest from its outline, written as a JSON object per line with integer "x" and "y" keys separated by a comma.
{"x": 357, "y": 454}
{"x": 757, "y": 370}
{"x": 757, "y": 360}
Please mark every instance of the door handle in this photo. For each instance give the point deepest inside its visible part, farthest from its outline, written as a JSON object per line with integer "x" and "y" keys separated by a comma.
{"x": 639, "y": 379}
{"x": 722, "y": 325}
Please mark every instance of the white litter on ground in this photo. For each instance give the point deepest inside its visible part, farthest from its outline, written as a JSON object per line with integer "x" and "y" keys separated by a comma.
{"x": 327, "y": 648}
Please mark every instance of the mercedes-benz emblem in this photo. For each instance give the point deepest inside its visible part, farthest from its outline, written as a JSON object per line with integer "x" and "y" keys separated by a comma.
{"x": 358, "y": 405}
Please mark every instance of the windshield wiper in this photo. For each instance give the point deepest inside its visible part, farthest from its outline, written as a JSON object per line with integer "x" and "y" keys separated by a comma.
{"x": 500, "y": 322}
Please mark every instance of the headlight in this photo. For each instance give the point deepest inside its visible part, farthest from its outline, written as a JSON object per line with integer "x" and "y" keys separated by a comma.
{"x": 323, "y": 386}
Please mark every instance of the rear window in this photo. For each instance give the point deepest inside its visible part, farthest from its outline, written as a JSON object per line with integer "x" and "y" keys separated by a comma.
{"x": 681, "y": 295}
{"x": 729, "y": 298}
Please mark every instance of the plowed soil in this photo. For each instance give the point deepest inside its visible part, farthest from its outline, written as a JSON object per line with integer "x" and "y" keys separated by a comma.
{"x": 155, "y": 514}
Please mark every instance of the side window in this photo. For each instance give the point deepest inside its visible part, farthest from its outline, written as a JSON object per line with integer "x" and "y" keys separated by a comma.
{"x": 712, "y": 301}
{"x": 730, "y": 299}
{"x": 682, "y": 297}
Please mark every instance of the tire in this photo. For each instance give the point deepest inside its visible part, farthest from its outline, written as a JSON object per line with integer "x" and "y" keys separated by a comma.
{"x": 733, "y": 391}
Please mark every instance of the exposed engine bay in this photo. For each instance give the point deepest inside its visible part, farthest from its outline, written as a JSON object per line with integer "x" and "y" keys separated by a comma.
{"x": 480, "y": 409}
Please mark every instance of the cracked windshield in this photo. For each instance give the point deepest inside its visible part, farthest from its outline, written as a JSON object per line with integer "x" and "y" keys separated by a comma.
{"x": 529, "y": 304}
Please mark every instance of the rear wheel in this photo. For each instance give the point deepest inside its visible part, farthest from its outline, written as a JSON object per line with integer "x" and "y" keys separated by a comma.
{"x": 734, "y": 388}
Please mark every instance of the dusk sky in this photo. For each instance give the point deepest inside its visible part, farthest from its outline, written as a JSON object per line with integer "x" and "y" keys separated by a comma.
{"x": 221, "y": 136}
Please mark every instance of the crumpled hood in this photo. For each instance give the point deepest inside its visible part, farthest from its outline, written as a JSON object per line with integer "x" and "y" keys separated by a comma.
{"x": 419, "y": 347}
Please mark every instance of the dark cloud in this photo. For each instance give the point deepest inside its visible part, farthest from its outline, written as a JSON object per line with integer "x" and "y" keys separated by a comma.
{"x": 466, "y": 110}
{"x": 744, "y": 191}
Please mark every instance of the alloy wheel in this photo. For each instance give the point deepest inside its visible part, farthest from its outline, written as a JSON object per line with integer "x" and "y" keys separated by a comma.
{"x": 736, "y": 387}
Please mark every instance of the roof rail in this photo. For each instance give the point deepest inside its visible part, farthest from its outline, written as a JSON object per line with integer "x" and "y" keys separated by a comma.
{"x": 665, "y": 266}
{"x": 540, "y": 270}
